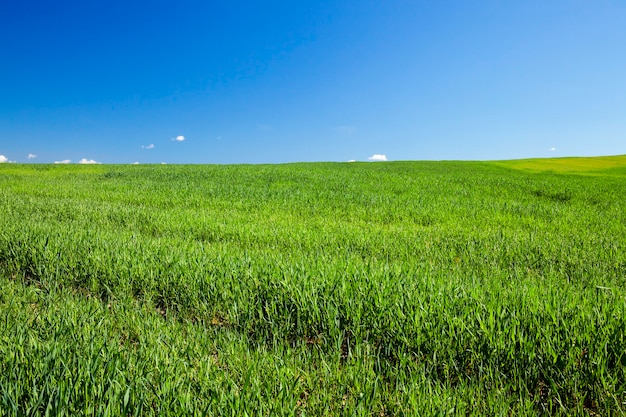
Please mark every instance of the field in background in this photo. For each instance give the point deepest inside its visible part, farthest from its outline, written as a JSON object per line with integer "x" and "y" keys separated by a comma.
{"x": 399, "y": 288}
{"x": 605, "y": 165}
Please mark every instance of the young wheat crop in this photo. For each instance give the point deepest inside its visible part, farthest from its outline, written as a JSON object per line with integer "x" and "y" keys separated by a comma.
{"x": 404, "y": 288}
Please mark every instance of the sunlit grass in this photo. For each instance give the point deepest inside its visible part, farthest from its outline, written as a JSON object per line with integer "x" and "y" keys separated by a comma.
{"x": 407, "y": 288}
{"x": 595, "y": 165}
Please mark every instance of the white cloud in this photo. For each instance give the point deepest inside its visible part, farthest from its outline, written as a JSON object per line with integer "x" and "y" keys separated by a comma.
{"x": 346, "y": 130}
{"x": 151, "y": 146}
{"x": 65, "y": 161}
{"x": 264, "y": 128}
{"x": 552, "y": 149}
{"x": 87, "y": 161}
{"x": 377, "y": 157}
{"x": 163, "y": 163}
{"x": 32, "y": 156}
{"x": 135, "y": 163}
{"x": 352, "y": 160}
{"x": 3, "y": 159}
{"x": 179, "y": 138}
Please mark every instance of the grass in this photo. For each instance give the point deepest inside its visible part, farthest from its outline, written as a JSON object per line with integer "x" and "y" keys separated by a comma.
{"x": 404, "y": 288}
{"x": 590, "y": 165}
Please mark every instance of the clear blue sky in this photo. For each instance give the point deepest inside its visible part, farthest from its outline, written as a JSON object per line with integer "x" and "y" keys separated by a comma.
{"x": 282, "y": 81}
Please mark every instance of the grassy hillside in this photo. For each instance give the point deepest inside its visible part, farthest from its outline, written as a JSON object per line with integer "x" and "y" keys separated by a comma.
{"x": 591, "y": 165}
{"x": 401, "y": 288}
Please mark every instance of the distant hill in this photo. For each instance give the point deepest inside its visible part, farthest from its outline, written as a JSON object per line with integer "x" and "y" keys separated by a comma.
{"x": 585, "y": 165}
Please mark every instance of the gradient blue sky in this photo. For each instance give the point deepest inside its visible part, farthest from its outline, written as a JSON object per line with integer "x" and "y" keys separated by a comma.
{"x": 283, "y": 81}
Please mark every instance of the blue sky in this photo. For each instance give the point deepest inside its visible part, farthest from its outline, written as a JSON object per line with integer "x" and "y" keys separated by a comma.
{"x": 285, "y": 81}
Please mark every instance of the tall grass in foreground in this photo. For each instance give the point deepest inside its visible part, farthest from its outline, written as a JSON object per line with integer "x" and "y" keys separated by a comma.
{"x": 409, "y": 288}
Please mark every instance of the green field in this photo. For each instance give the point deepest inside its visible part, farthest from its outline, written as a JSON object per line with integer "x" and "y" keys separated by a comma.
{"x": 375, "y": 289}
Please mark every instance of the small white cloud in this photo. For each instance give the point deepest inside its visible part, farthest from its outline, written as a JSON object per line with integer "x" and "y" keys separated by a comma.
{"x": 352, "y": 160}
{"x": 87, "y": 161}
{"x": 163, "y": 163}
{"x": 346, "y": 130}
{"x": 377, "y": 157}
{"x": 179, "y": 138}
{"x": 32, "y": 156}
{"x": 151, "y": 146}
{"x": 552, "y": 149}
{"x": 135, "y": 163}
{"x": 65, "y": 161}
{"x": 3, "y": 159}
{"x": 264, "y": 128}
